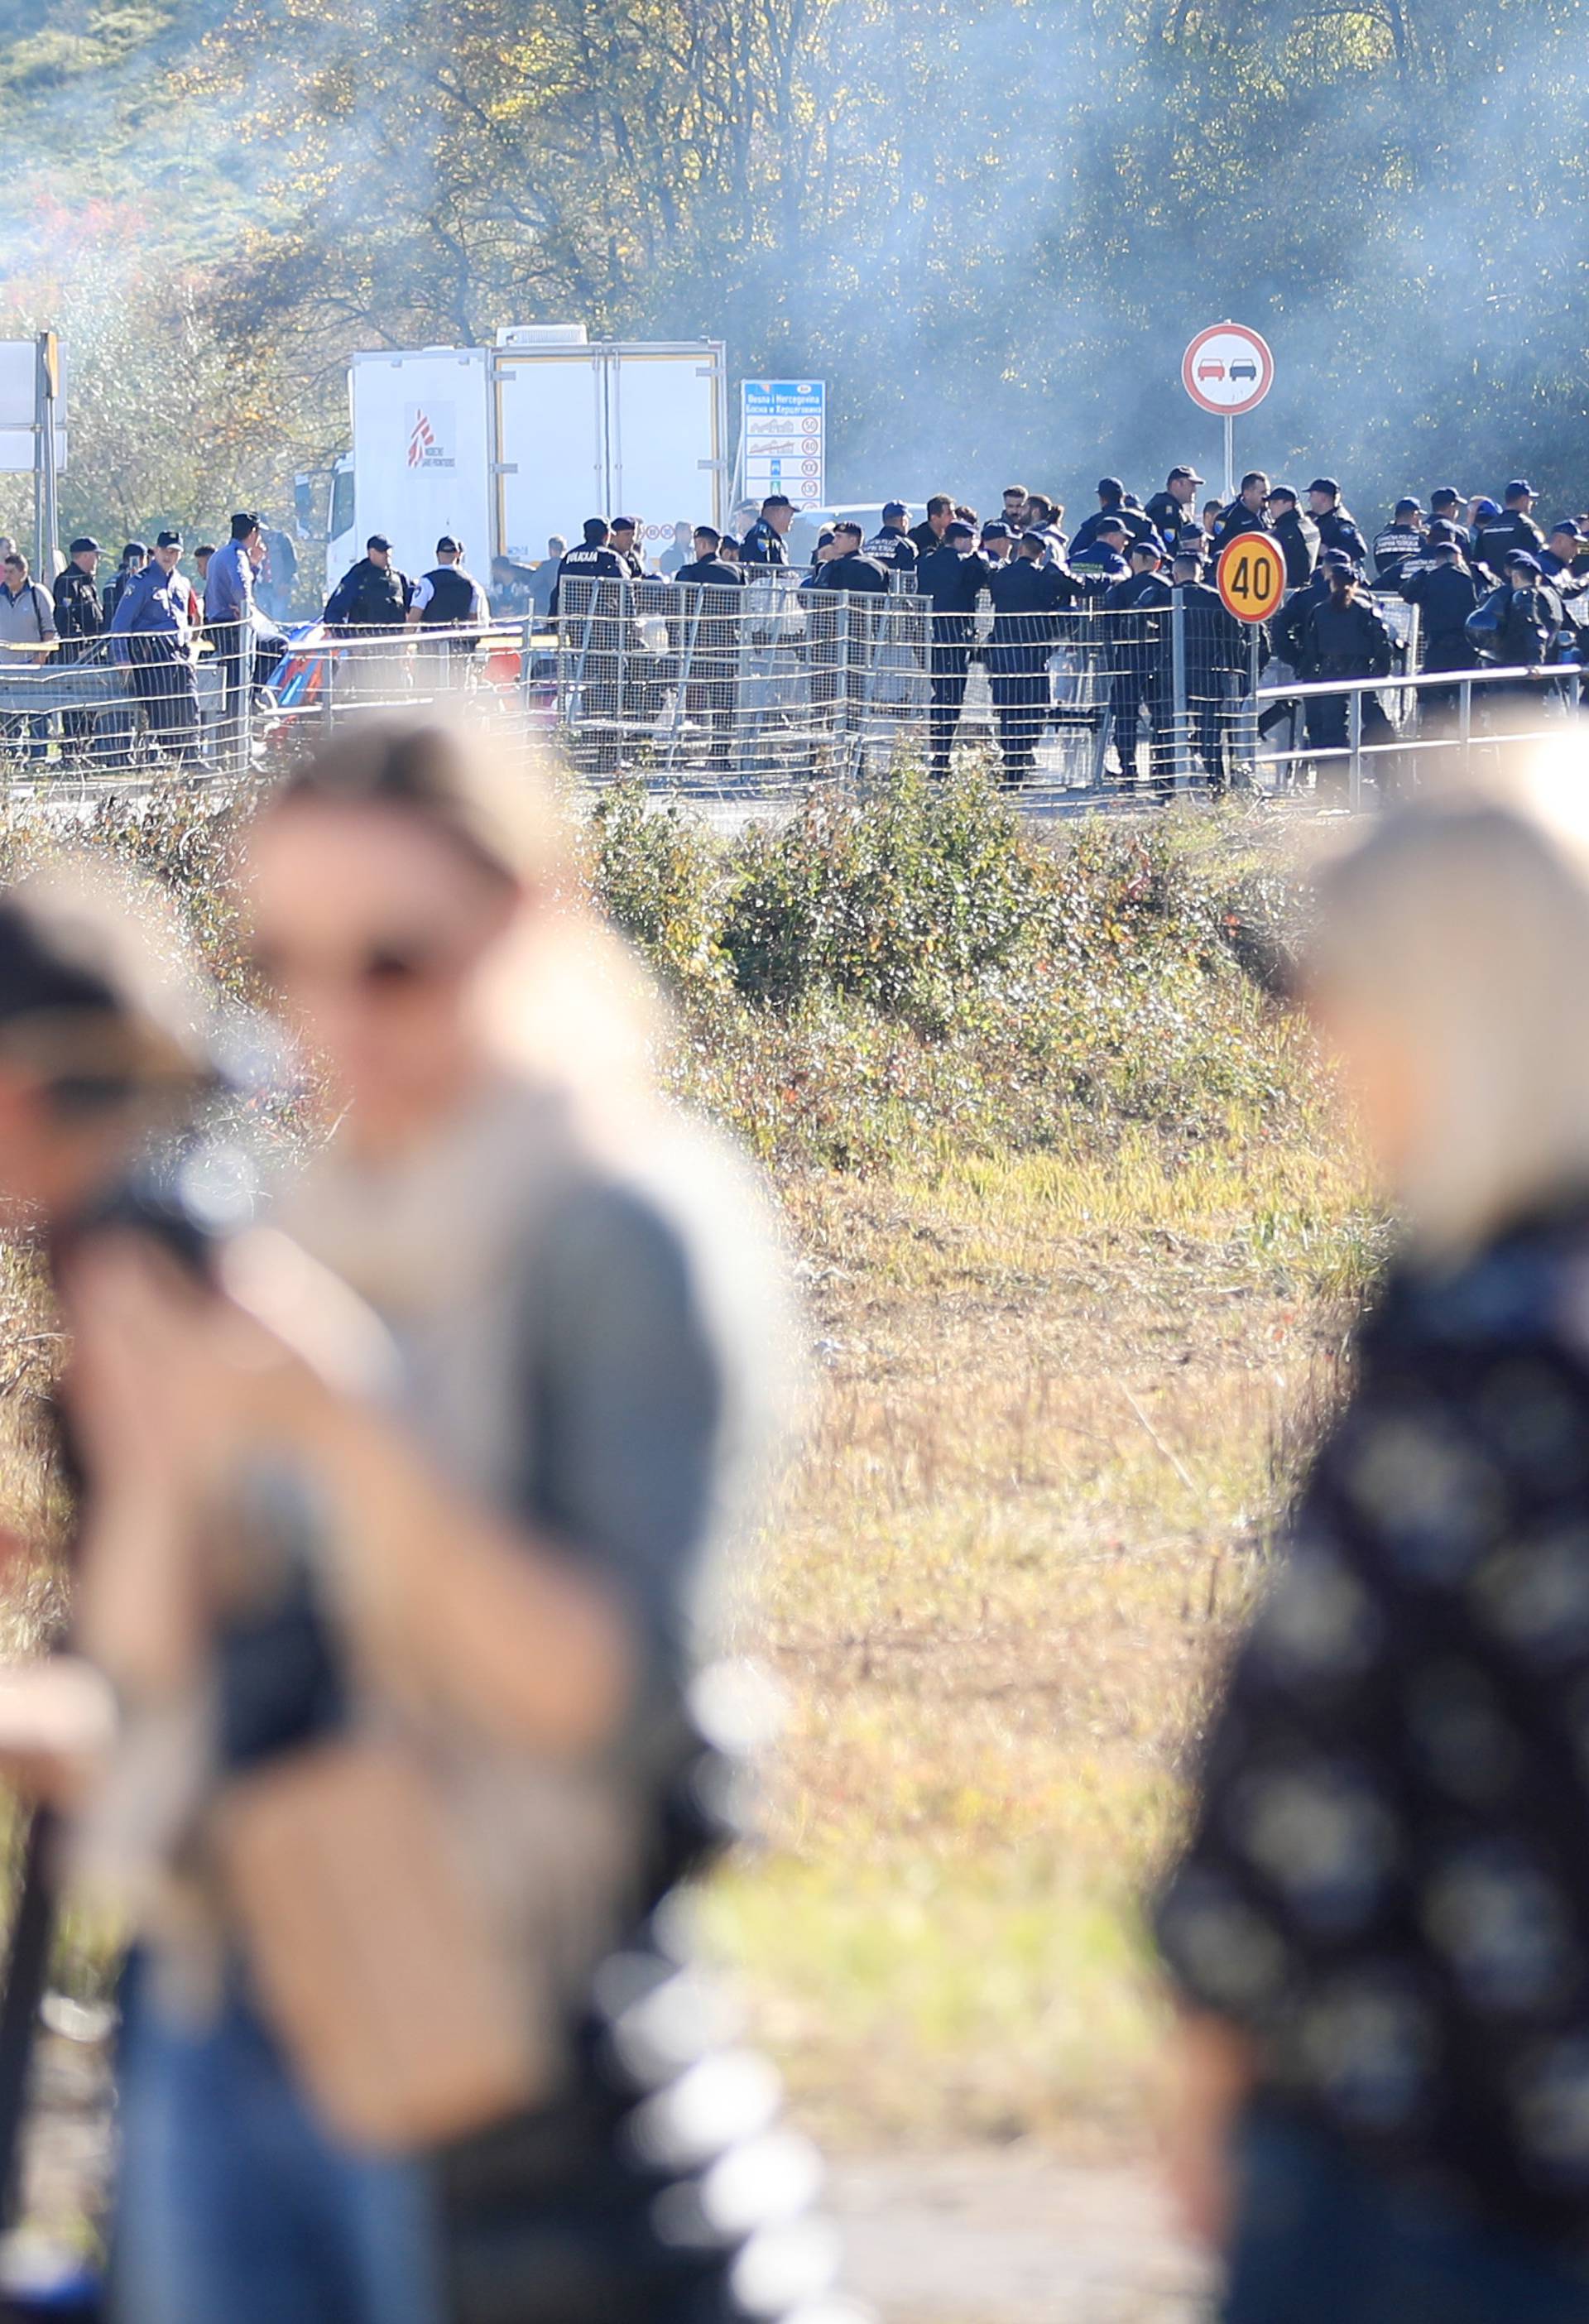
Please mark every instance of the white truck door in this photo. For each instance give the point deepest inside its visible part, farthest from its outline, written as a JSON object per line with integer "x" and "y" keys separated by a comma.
{"x": 422, "y": 451}
{"x": 667, "y": 430}
{"x": 552, "y": 428}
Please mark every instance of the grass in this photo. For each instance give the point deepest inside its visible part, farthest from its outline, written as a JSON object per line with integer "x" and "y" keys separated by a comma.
{"x": 1079, "y": 1234}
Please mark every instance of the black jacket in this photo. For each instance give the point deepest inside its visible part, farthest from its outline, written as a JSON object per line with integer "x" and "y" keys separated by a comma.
{"x": 1393, "y": 548}
{"x": 1347, "y": 640}
{"x": 1027, "y": 600}
{"x": 1502, "y": 535}
{"x": 1236, "y": 519}
{"x": 369, "y": 597}
{"x": 590, "y": 561}
{"x": 1528, "y": 623}
{"x": 764, "y": 545}
{"x": 451, "y": 600}
{"x": 1299, "y": 538}
{"x": 854, "y": 572}
{"x": 1291, "y": 631}
{"x": 894, "y": 551}
{"x": 1135, "y": 520}
{"x": 1169, "y": 517}
{"x": 79, "y": 614}
{"x": 1337, "y": 529}
{"x": 951, "y": 583}
{"x": 1215, "y": 639}
{"x": 1445, "y": 595}
{"x": 710, "y": 573}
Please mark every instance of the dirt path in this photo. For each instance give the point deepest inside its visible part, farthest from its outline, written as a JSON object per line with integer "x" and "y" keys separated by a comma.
{"x": 1012, "y": 2236}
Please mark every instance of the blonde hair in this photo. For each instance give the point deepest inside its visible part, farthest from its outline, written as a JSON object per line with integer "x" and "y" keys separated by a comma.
{"x": 1461, "y": 925}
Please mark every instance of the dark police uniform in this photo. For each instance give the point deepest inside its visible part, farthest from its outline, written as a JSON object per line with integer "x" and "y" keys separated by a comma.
{"x": 1235, "y": 518}
{"x": 1502, "y": 537}
{"x": 1394, "y": 549}
{"x": 706, "y": 636}
{"x": 1136, "y": 521}
{"x": 895, "y": 552}
{"x": 951, "y": 583}
{"x": 369, "y": 596}
{"x": 1337, "y": 529}
{"x": 79, "y": 619}
{"x": 1298, "y": 536}
{"x": 763, "y": 545}
{"x": 1169, "y": 517}
{"x": 1445, "y": 594}
{"x": 1026, "y": 601}
{"x": 152, "y": 616}
{"x": 1215, "y": 644}
{"x": 1344, "y": 641}
{"x": 1135, "y": 640}
{"x": 592, "y": 637}
{"x": 841, "y": 657}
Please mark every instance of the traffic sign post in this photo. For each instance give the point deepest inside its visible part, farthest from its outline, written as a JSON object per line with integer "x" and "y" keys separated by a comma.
{"x": 1228, "y": 369}
{"x": 1251, "y": 578}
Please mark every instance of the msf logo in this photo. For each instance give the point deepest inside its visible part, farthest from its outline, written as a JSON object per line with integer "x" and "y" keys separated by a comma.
{"x": 429, "y": 436}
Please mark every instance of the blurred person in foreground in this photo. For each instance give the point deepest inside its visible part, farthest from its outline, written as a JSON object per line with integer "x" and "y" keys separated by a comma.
{"x": 403, "y": 1536}
{"x": 1379, "y": 1928}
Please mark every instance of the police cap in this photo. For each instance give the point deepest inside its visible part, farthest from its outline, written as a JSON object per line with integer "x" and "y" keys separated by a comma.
{"x": 1145, "y": 549}
{"x": 1408, "y": 507}
{"x": 1520, "y": 488}
{"x": 378, "y": 540}
{"x": 1326, "y": 484}
{"x": 1446, "y": 497}
{"x": 894, "y": 508}
{"x": 1564, "y": 524}
{"x": 447, "y": 547}
{"x": 1483, "y": 511}
{"x": 1339, "y": 559}
{"x": 959, "y": 531}
{"x": 1185, "y": 476}
{"x": 168, "y": 541}
{"x": 1112, "y": 524}
{"x": 84, "y": 542}
{"x": 624, "y": 524}
{"x": 1111, "y": 488}
{"x": 1521, "y": 558}
{"x": 995, "y": 529}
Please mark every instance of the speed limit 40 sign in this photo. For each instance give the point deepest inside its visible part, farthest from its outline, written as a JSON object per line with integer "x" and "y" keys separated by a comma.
{"x": 1251, "y": 576}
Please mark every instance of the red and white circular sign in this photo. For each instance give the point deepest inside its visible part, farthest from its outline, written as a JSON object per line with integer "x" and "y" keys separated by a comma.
{"x": 1228, "y": 369}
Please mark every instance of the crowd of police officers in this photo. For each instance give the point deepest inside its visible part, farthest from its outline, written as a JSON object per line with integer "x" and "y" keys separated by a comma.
{"x": 1490, "y": 585}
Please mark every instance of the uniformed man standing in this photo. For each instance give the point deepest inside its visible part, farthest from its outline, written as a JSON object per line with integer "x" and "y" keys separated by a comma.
{"x": 952, "y": 577}
{"x": 1446, "y": 590}
{"x": 892, "y": 546}
{"x": 229, "y": 621}
{"x": 593, "y": 634}
{"x": 930, "y": 534}
{"x": 848, "y": 644}
{"x": 1135, "y": 636}
{"x": 763, "y": 542}
{"x": 1215, "y": 646}
{"x": 1500, "y": 534}
{"x": 1113, "y": 508}
{"x": 79, "y": 619}
{"x": 450, "y": 598}
{"x": 1248, "y": 513}
{"x": 623, "y": 541}
{"x": 1027, "y": 596}
{"x": 708, "y": 641}
{"x": 155, "y": 639}
{"x": 1337, "y": 528}
{"x": 1171, "y": 511}
{"x": 1297, "y": 534}
{"x": 1401, "y": 541}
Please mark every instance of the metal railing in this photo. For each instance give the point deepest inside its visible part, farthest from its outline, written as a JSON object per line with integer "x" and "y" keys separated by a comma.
{"x": 758, "y": 690}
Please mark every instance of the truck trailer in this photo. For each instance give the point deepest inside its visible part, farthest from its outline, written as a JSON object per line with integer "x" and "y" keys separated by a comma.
{"x": 503, "y": 445}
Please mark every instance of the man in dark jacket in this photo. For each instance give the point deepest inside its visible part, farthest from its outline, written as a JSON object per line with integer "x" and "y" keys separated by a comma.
{"x": 1446, "y": 506}
{"x": 1343, "y": 636}
{"x": 591, "y": 603}
{"x": 1113, "y": 508}
{"x": 1103, "y": 558}
{"x": 1337, "y": 528}
{"x": 1297, "y": 534}
{"x": 1248, "y": 513}
{"x": 1027, "y": 596}
{"x": 1565, "y": 561}
{"x": 1514, "y": 528}
{"x": 1176, "y": 507}
{"x": 1400, "y": 541}
{"x": 79, "y": 619}
{"x": 762, "y": 543}
{"x": 844, "y": 565}
{"x": 706, "y": 640}
{"x": 1136, "y": 636}
{"x": 1445, "y": 591}
{"x": 892, "y": 547}
{"x": 1529, "y": 620}
{"x": 930, "y": 532}
{"x": 1217, "y": 645}
{"x": 450, "y": 598}
{"x": 952, "y": 577}
{"x": 372, "y": 595}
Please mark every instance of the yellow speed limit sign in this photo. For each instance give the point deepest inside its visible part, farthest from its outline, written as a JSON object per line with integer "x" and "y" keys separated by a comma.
{"x": 1252, "y": 575}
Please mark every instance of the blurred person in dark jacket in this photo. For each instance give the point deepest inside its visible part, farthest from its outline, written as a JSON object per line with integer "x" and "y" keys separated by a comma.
{"x": 1342, "y": 635}
{"x": 1114, "y": 509}
{"x": 1447, "y": 592}
{"x": 1337, "y": 529}
{"x": 1400, "y": 541}
{"x": 134, "y": 558}
{"x": 1378, "y": 1929}
{"x": 1297, "y": 534}
{"x": 892, "y": 547}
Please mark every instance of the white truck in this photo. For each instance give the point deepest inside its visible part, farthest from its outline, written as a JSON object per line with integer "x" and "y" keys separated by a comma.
{"x": 505, "y": 446}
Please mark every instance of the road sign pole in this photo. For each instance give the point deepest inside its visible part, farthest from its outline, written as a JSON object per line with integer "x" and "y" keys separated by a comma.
{"x": 1230, "y": 459}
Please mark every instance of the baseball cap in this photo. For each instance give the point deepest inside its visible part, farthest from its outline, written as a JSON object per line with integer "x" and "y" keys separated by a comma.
{"x": 83, "y": 540}
{"x": 1113, "y": 486}
{"x": 447, "y": 547}
{"x": 959, "y": 531}
{"x": 1326, "y": 484}
{"x": 1565, "y": 524}
{"x": 895, "y": 508}
{"x": 995, "y": 529}
{"x": 1520, "y": 484}
{"x": 1336, "y": 557}
{"x": 1485, "y": 508}
{"x": 1110, "y": 524}
{"x": 1521, "y": 557}
{"x": 624, "y": 524}
{"x": 1033, "y": 538}
{"x": 1446, "y": 496}
{"x": 379, "y": 540}
{"x": 244, "y": 522}
{"x": 1440, "y": 535}
{"x": 168, "y": 541}
{"x": 1139, "y": 547}
{"x": 1409, "y": 506}
{"x": 1185, "y": 476}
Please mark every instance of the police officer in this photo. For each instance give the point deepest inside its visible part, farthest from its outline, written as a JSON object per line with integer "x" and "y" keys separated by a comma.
{"x": 892, "y": 546}
{"x": 79, "y": 619}
{"x": 1113, "y": 508}
{"x": 134, "y": 556}
{"x": 450, "y": 598}
{"x": 1337, "y": 529}
{"x": 1297, "y": 534}
{"x": 156, "y": 634}
{"x": 952, "y": 577}
{"x": 1027, "y": 596}
{"x": 372, "y": 594}
{"x": 594, "y": 633}
{"x": 1563, "y": 562}
{"x": 1344, "y": 637}
{"x": 708, "y": 641}
{"x": 1248, "y": 513}
{"x": 623, "y": 541}
{"x": 1104, "y": 558}
{"x": 1529, "y": 622}
{"x": 1401, "y": 539}
{"x": 930, "y": 532}
{"x": 1215, "y": 645}
{"x": 1135, "y": 638}
{"x": 1447, "y": 591}
{"x": 997, "y": 540}
{"x": 1514, "y": 528}
{"x": 1172, "y": 510}
{"x": 844, "y": 564}
{"x": 229, "y": 621}
{"x": 1446, "y": 506}
{"x": 763, "y": 542}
